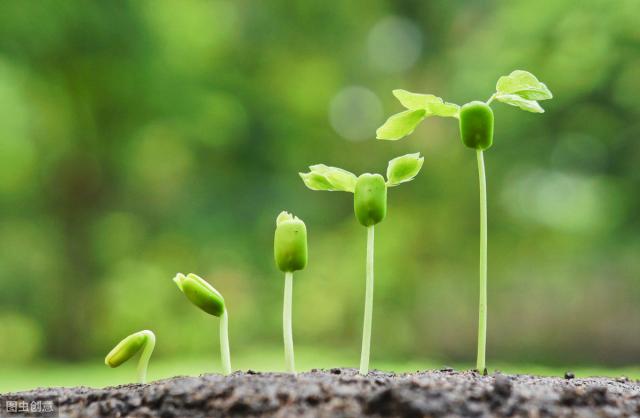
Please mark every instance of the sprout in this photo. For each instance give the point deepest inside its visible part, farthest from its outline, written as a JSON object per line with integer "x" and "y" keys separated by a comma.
{"x": 521, "y": 89}
{"x": 290, "y": 253}
{"x": 370, "y": 207}
{"x": 205, "y": 297}
{"x": 127, "y": 348}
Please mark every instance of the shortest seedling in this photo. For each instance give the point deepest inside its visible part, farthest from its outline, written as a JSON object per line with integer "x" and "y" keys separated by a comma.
{"x": 127, "y": 348}
{"x": 290, "y": 252}
{"x": 207, "y": 298}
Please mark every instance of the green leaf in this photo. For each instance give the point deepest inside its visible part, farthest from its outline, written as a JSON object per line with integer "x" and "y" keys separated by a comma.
{"x": 401, "y": 124}
{"x": 518, "y": 101}
{"x": 403, "y": 169}
{"x": 283, "y": 217}
{"x": 315, "y": 181}
{"x": 415, "y": 101}
{"x": 523, "y": 84}
{"x": 340, "y": 179}
{"x": 444, "y": 109}
{"x": 434, "y": 105}
{"x": 323, "y": 177}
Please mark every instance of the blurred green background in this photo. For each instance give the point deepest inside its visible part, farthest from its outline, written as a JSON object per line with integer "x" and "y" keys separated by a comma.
{"x": 139, "y": 139}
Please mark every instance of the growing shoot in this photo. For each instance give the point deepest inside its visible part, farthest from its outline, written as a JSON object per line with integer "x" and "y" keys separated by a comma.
{"x": 521, "y": 89}
{"x": 127, "y": 348}
{"x": 207, "y": 298}
{"x": 290, "y": 253}
{"x": 370, "y": 208}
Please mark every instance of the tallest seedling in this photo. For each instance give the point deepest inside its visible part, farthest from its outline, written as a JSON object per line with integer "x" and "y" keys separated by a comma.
{"x": 520, "y": 89}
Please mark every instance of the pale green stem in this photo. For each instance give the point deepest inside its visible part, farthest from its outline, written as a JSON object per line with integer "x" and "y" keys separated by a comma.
{"x": 286, "y": 322}
{"x": 224, "y": 342}
{"x": 368, "y": 305}
{"x": 482, "y": 314}
{"x": 143, "y": 363}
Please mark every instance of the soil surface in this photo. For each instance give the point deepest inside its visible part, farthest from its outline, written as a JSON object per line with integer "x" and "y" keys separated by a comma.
{"x": 344, "y": 393}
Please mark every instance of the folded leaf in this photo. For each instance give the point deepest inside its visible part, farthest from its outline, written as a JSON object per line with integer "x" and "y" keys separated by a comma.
{"x": 523, "y": 84}
{"x": 403, "y": 169}
{"x": 284, "y": 216}
{"x": 323, "y": 177}
{"x": 518, "y": 101}
{"x": 401, "y": 124}
{"x": 315, "y": 181}
{"x": 340, "y": 179}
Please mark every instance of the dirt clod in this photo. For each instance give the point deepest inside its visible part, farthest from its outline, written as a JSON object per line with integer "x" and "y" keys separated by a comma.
{"x": 502, "y": 386}
{"x": 345, "y": 393}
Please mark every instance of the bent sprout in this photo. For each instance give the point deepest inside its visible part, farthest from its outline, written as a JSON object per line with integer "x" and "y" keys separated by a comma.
{"x": 127, "y": 348}
{"x": 370, "y": 208}
{"x": 521, "y": 89}
{"x": 290, "y": 253}
{"x": 207, "y": 298}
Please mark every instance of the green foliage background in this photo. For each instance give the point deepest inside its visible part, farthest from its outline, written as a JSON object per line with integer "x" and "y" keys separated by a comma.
{"x": 143, "y": 138}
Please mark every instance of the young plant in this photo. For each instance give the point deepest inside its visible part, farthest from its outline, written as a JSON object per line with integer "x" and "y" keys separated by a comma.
{"x": 290, "y": 253}
{"x": 127, "y": 348}
{"x": 370, "y": 207}
{"x": 521, "y": 89}
{"x": 205, "y": 297}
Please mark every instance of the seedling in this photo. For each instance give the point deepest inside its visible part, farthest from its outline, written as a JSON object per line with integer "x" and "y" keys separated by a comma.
{"x": 205, "y": 297}
{"x": 521, "y": 89}
{"x": 370, "y": 207}
{"x": 127, "y": 348}
{"x": 290, "y": 253}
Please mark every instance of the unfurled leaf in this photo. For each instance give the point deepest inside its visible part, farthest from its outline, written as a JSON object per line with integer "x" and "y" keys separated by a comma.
{"x": 433, "y": 105}
{"x": 523, "y": 84}
{"x": 415, "y": 101}
{"x": 403, "y": 169}
{"x": 518, "y": 101}
{"x": 322, "y": 177}
{"x": 443, "y": 109}
{"x": 401, "y": 124}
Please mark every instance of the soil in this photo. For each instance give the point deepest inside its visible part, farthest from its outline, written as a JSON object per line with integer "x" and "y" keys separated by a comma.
{"x": 344, "y": 393}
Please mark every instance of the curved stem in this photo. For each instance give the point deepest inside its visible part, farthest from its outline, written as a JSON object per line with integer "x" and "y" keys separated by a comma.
{"x": 368, "y": 305}
{"x": 224, "y": 342}
{"x": 482, "y": 314}
{"x": 286, "y": 322}
{"x": 143, "y": 363}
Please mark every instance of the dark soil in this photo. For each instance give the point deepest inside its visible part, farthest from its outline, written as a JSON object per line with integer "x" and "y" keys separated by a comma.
{"x": 344, "y": 393}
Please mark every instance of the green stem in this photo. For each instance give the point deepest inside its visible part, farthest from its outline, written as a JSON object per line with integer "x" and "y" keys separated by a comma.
{"x": 368, "y": 305}
{"x": 286, "y": 322}
{"x": 143, "y": 363}
{"x": 482, "y": 314}
{"x": 224, "y": 342}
